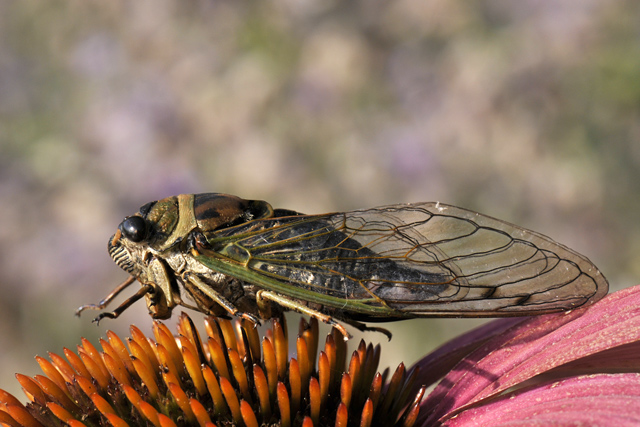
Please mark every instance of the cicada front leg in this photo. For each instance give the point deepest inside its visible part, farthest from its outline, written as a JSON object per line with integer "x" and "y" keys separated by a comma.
{"x": 145, "y": 290}
{"x": 107, "y": 300}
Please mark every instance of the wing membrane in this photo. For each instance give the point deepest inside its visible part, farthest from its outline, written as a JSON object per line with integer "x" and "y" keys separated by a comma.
{"x": 423, "y": 259}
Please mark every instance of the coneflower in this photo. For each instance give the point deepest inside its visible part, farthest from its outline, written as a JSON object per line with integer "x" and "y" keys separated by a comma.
{"x": 231, "y": 378}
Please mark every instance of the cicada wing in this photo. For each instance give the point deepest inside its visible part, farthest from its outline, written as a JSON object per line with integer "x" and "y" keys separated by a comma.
{"x": 411, "y": 260}
{"x": 503, "y": 269}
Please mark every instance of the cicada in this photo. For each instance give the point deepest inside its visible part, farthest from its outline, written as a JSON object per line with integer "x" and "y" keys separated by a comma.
{"x": 236, "y": 257}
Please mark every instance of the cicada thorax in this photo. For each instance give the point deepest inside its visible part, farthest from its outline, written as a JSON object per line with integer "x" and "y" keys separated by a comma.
{"x": 214, "y": 211}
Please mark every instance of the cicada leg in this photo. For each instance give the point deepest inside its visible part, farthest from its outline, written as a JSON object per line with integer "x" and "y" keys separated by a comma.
{"x": 219, "y": 299}
{"x": 105, "y": 302}
{"x": 145, "y": 289}
{"x": 364, "y": 328}
{"x": 262, "y": 296}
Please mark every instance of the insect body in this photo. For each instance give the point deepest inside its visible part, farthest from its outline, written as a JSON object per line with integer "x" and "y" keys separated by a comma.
{"x": 242, "y": 257}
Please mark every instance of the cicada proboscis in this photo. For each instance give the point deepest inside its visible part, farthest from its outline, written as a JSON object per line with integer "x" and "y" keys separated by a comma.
{"x": 243, "y": 258}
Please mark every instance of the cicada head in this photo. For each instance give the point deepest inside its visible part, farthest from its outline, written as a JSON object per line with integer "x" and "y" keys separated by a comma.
{"x": 134, "y": 248}
{"x": 130, "y": 249}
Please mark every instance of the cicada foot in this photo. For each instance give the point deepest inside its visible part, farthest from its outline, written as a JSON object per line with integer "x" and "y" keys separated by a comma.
{"x": 365, "y": 328}
{"x": 250, "y": 317}
{"x": 108, "y": 314}
{"x": 82, "y": 308}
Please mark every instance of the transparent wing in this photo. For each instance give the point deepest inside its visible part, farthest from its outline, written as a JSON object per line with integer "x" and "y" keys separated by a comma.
{"x": 424, "y": 259}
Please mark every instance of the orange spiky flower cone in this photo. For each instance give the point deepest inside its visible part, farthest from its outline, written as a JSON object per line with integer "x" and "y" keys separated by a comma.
{"x": 230, "y": 379}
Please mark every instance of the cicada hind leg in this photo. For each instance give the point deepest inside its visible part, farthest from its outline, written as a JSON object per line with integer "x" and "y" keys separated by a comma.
{"x": 263, "y": 297}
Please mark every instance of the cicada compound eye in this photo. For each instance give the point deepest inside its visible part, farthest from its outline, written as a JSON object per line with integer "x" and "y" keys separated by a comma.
{"x": 134, "y": 228}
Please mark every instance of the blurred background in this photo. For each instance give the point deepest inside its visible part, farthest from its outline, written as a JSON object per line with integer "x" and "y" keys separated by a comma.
{"x": 527, "y": 111}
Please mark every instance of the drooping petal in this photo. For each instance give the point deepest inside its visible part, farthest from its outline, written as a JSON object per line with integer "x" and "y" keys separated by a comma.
{"x": 594, "y": 400}
{"x": 539, "y": 345}
{"x": 437, "y": 363}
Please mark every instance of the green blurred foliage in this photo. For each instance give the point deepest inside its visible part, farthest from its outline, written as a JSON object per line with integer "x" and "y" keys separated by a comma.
{"x": 527, "y": 111}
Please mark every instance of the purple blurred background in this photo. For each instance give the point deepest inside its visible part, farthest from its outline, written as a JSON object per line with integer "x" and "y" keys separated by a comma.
{"x": 527, "y": 111}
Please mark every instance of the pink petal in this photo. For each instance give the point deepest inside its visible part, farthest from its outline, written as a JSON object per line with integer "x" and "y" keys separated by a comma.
{"x": 597, "y": 400}
{"x": 437, "y": 363}
{"x": 538, "y": 345}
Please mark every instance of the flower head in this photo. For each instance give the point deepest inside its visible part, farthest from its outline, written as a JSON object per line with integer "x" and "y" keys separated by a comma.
{"x": 230, "y": 378}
